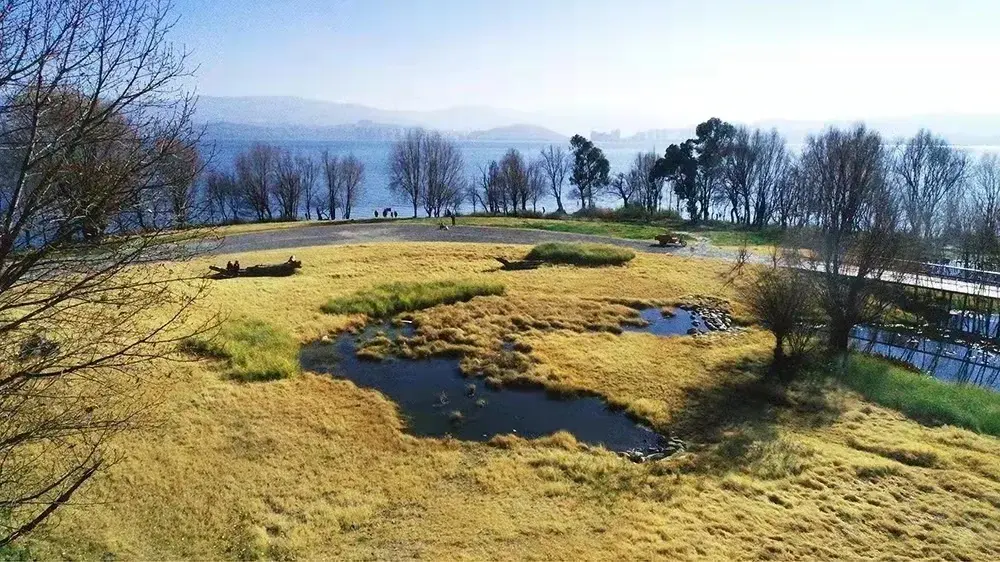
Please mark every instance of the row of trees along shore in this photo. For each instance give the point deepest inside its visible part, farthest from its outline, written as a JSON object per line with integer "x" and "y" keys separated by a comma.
{"x": 736, "y": 174}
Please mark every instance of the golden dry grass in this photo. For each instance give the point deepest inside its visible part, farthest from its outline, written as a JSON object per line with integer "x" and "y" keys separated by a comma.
{"x": 317, "y": 468}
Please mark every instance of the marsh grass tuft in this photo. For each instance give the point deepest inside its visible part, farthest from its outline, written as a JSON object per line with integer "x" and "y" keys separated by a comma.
{"x": 922, "y": 397}
{"x": 253, "y": 350}
{"x": 591, "y": 255}
{"x": 393, "y": 298}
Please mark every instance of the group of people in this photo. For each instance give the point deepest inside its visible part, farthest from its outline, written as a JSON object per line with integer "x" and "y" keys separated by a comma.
{"x": 233, "y": 266}
{"x": 389, "y": 213}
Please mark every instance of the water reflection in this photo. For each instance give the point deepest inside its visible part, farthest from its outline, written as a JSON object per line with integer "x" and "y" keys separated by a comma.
{"x": 679, "y": 322}
{"x": 436, "y": 400}
{"x": 954, "y": 360}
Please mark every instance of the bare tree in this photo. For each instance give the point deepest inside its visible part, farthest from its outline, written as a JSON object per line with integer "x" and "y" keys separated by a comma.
{"x": 783, "y": 300}
{"x": 556, "y": 165}
{"x": 352, "y": 182}
{"x": 178, "y": 171}
{"x": 490, "y": 187}
{"x": 515, "y": 180}
{"x": 407, "y": 168}
{"x": 739, "y": 168}
{"x": 472, "y": 195}
{"x": 857, "y": 242}
{"x": 91, "y": 116}
{"x": 790, "y": 196}
{"x": 929, "y": 171}
{"x": 256, "y": 174}
{"x": 288, "y": 186}
{"x": 223, "y": 196}
{"x": 443, "y": 174}
{"x": 622, "y": 187}
{"x": 647, "y": 185}
{"x": 308, "y": 171}
{"x": 537, "y": 183}
{"x": 981, "y": 235}
{"x": 334, "y": 187}
{"x": 753, "y": 167}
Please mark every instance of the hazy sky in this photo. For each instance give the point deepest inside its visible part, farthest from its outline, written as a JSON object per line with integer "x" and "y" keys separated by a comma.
{"x": 658, "y": 62}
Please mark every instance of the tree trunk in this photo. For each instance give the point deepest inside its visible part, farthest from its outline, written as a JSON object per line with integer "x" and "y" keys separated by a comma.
{"x": 839, "y": 337}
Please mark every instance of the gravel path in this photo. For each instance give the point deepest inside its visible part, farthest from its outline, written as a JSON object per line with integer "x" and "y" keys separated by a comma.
{"x": 335, "y": 234}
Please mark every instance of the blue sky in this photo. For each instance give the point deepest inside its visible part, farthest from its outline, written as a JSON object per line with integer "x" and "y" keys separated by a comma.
{"x": 660, "y": 63}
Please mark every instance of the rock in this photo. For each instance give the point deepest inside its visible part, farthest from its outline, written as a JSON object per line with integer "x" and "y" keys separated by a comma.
{"x": 692, "y": 331}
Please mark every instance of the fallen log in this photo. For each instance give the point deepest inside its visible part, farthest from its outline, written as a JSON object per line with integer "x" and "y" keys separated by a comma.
{"x": 262, "y": 270}
{"x": 519, "y": 264}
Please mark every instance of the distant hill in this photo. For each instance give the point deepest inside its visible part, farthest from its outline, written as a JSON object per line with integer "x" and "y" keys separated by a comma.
{"x": 285, "y": 111}
{"x": 361, "y": 131}
{"x": 289, "y": 118}
{"x": 517, "y": 133}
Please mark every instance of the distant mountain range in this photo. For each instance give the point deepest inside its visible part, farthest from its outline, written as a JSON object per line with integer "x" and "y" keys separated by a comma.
{"x": 292, "y": 111}
{"x": 291, "y": 118}
{"x": 287, "y": 118}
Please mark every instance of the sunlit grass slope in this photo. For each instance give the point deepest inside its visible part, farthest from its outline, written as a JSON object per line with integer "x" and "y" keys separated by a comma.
{"x": 316, "y": 468}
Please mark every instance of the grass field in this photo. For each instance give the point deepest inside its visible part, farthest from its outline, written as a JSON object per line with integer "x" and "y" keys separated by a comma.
{"x": 307, "y": 466}
{"x": 719, "y": 234}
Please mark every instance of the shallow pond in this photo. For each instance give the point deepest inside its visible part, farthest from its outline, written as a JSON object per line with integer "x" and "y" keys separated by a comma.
{"x": 676, "y": 324}
{"x": 436, "y": 400}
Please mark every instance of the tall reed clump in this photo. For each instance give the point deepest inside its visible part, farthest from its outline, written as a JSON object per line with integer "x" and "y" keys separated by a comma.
{"x": 591, "y": 255}
{"x": 393, "y": 298}
{"x": 252, "y": 349}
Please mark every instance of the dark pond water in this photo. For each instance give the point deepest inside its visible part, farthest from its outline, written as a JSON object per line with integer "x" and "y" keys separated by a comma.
{"x": 669, "y": 325}
{"x": 437, "y": 400}
{"x": 956, "y": 360}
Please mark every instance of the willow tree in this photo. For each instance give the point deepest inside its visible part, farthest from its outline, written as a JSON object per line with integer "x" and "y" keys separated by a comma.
{"x": 92, "y": 123}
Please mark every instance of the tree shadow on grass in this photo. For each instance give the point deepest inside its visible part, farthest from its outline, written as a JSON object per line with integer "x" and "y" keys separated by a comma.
{"x": 735, "y": 425}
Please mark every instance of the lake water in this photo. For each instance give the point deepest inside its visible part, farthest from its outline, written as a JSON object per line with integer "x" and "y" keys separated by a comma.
{"x": 375, "y": 155}
{"x": 956, "y": 360}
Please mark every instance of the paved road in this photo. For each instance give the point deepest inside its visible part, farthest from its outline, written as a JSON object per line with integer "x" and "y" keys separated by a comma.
{"x": 333, "y": 234}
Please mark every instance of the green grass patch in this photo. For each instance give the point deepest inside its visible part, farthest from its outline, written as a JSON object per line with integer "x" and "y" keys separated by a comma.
{"x": 592, "y": 255}
{"x": 921, "y": 397}
{"x": 253, "y": 350}
{"x": 595, "y": 227}
{"x": 735, "y": 237}
{"x": 393, "y": 298}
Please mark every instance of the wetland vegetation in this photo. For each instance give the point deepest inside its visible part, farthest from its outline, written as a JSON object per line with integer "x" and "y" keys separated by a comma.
{"x": 312, "y": 465}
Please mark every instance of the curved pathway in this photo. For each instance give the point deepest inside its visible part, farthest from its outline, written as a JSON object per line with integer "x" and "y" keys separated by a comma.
{"x": 334, "y": 234}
